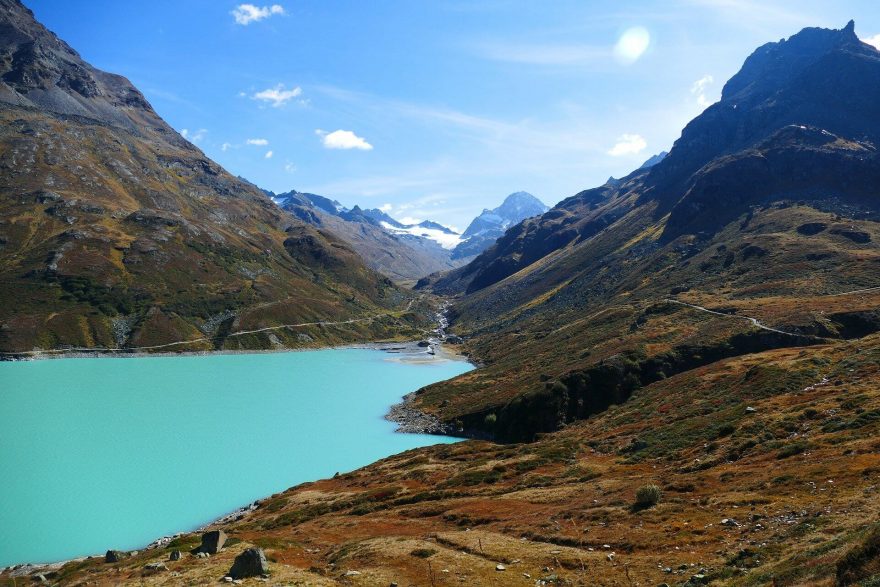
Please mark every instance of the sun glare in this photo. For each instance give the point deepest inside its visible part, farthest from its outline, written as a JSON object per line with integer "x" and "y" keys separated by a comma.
{"x": 632, "y": 44}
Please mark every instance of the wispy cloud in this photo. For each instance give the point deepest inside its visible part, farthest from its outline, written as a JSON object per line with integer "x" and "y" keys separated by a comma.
{"x": 386, "y": 207}
{"x": 289, "y": 167}
{"x": 628, "y": 144}
{"x": 699, "y": 90}
{"x": 258, "y": 142}
{"x": 559, "y": 151}
{"x": 545, "y": 54}
{"x": 875, "y": 40}
{"x": 225, "y": 146}
{"x": 343, "y": 139}
{"x": 193, "y": 136}
{"x": 245, "y": 14}
{"x": 268, "y": 154}
{"x": 277, "y": 96}
{"x": 630, "y": 46}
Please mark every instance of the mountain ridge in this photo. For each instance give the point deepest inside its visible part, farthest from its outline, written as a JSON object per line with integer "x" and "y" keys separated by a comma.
{"x": 414, "y": 250}
{"x": 680, "y": 369}
{"x": 739, "y": 216}
{"x": 118, "y": 232}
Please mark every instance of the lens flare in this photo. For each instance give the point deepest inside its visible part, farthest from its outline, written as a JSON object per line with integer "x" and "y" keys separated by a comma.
{"x": 632, "y": 44}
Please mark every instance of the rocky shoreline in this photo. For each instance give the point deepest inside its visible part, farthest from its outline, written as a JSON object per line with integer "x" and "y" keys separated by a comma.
{"x": 413, "y": 421}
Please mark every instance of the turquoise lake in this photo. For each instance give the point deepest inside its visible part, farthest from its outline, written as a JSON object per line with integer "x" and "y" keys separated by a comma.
{"x": 105, "y": 453}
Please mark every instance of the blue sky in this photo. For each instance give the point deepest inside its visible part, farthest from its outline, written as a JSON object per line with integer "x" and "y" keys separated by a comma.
{"x": 433, "y": 110}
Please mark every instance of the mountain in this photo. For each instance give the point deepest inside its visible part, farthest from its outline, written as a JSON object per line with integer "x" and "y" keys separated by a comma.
{"x": 654, "y": 160}
{"x": 408, "y": 252}
{"x": 116, "y": 231}
{"x": 763, "y": 217}
{"x": 402, "y": 252}
{"x": 689, "y": 355}
{"x": 486, "y": 228}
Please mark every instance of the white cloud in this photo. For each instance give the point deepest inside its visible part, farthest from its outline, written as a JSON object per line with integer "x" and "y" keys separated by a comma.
{"x": 193, "y": 136}
{"x": 410, "y": 220}
{"x": 268, "y": 154}
{"x": 245, "y": 14}
{"x": 386, "y": 207}
{"x": 343, "y": 139}
{"x": 289, "y": 167}
{"x": 632, "y": 44}
{"x": 278, "y": 96}
{"x": 225, "y": 146}
{"x": 875, "y": 41}
{"x": 258, "y": 142}
{"x": 699, "y": 90}
{"x": 628, "y": 144}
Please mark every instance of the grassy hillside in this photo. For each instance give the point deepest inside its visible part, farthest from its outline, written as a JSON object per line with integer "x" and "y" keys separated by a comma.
{"x": 767, "y": 466}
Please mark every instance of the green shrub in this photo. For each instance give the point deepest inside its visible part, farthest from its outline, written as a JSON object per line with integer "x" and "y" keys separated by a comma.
{"x": 790, "y": 450}
{"x": 648, "y": 495}
{"x": 490, "y": 419}
{"x": 423, "y": 552}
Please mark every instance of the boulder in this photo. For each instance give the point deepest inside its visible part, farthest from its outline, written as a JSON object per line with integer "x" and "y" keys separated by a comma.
{"x": 424, "y": 343}
{"x": 155, "y": 567}
{"x": 114, "y": 556}
{"x": 175, "y": 555}
{"x": 250, "y": 563}
{"x": 212, "y": 541}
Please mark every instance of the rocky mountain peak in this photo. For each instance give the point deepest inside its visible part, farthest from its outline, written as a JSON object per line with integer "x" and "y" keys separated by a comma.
{"x": 774, "y": 65}
{"x": 822, "y": 78}
{"x": 39, "y": 70}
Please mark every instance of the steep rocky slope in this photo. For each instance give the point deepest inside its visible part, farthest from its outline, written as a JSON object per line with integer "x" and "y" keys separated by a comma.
{"x": 115, "y": 231}
{"x": 765, "y": 211}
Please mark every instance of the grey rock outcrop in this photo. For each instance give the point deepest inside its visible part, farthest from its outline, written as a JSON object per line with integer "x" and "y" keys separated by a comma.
{"x": 250, "y": 563}
{"x": 114, "y": 556}
{"x": 212, "y": 541}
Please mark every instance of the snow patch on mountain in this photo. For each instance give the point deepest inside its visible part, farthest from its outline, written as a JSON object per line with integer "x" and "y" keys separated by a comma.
{"x": 445, "y": 238}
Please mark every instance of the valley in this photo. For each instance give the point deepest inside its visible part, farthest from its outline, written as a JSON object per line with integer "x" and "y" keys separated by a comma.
{"x": 677, "y": 372}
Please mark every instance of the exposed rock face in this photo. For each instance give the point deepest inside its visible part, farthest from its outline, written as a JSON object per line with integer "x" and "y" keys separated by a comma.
{"x": 175, "y": 555}
{"x": 40, "y": 71}
{"x": 212, "y": 541}
{"x": 250, "y": 563}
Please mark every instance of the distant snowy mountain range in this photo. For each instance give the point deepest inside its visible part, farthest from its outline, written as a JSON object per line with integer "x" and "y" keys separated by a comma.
{"x": 408, "y": 251}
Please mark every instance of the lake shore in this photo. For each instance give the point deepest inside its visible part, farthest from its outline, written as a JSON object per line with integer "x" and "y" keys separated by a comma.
{"x": 410, "y": 419}
{"x": 398, "y": 347}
